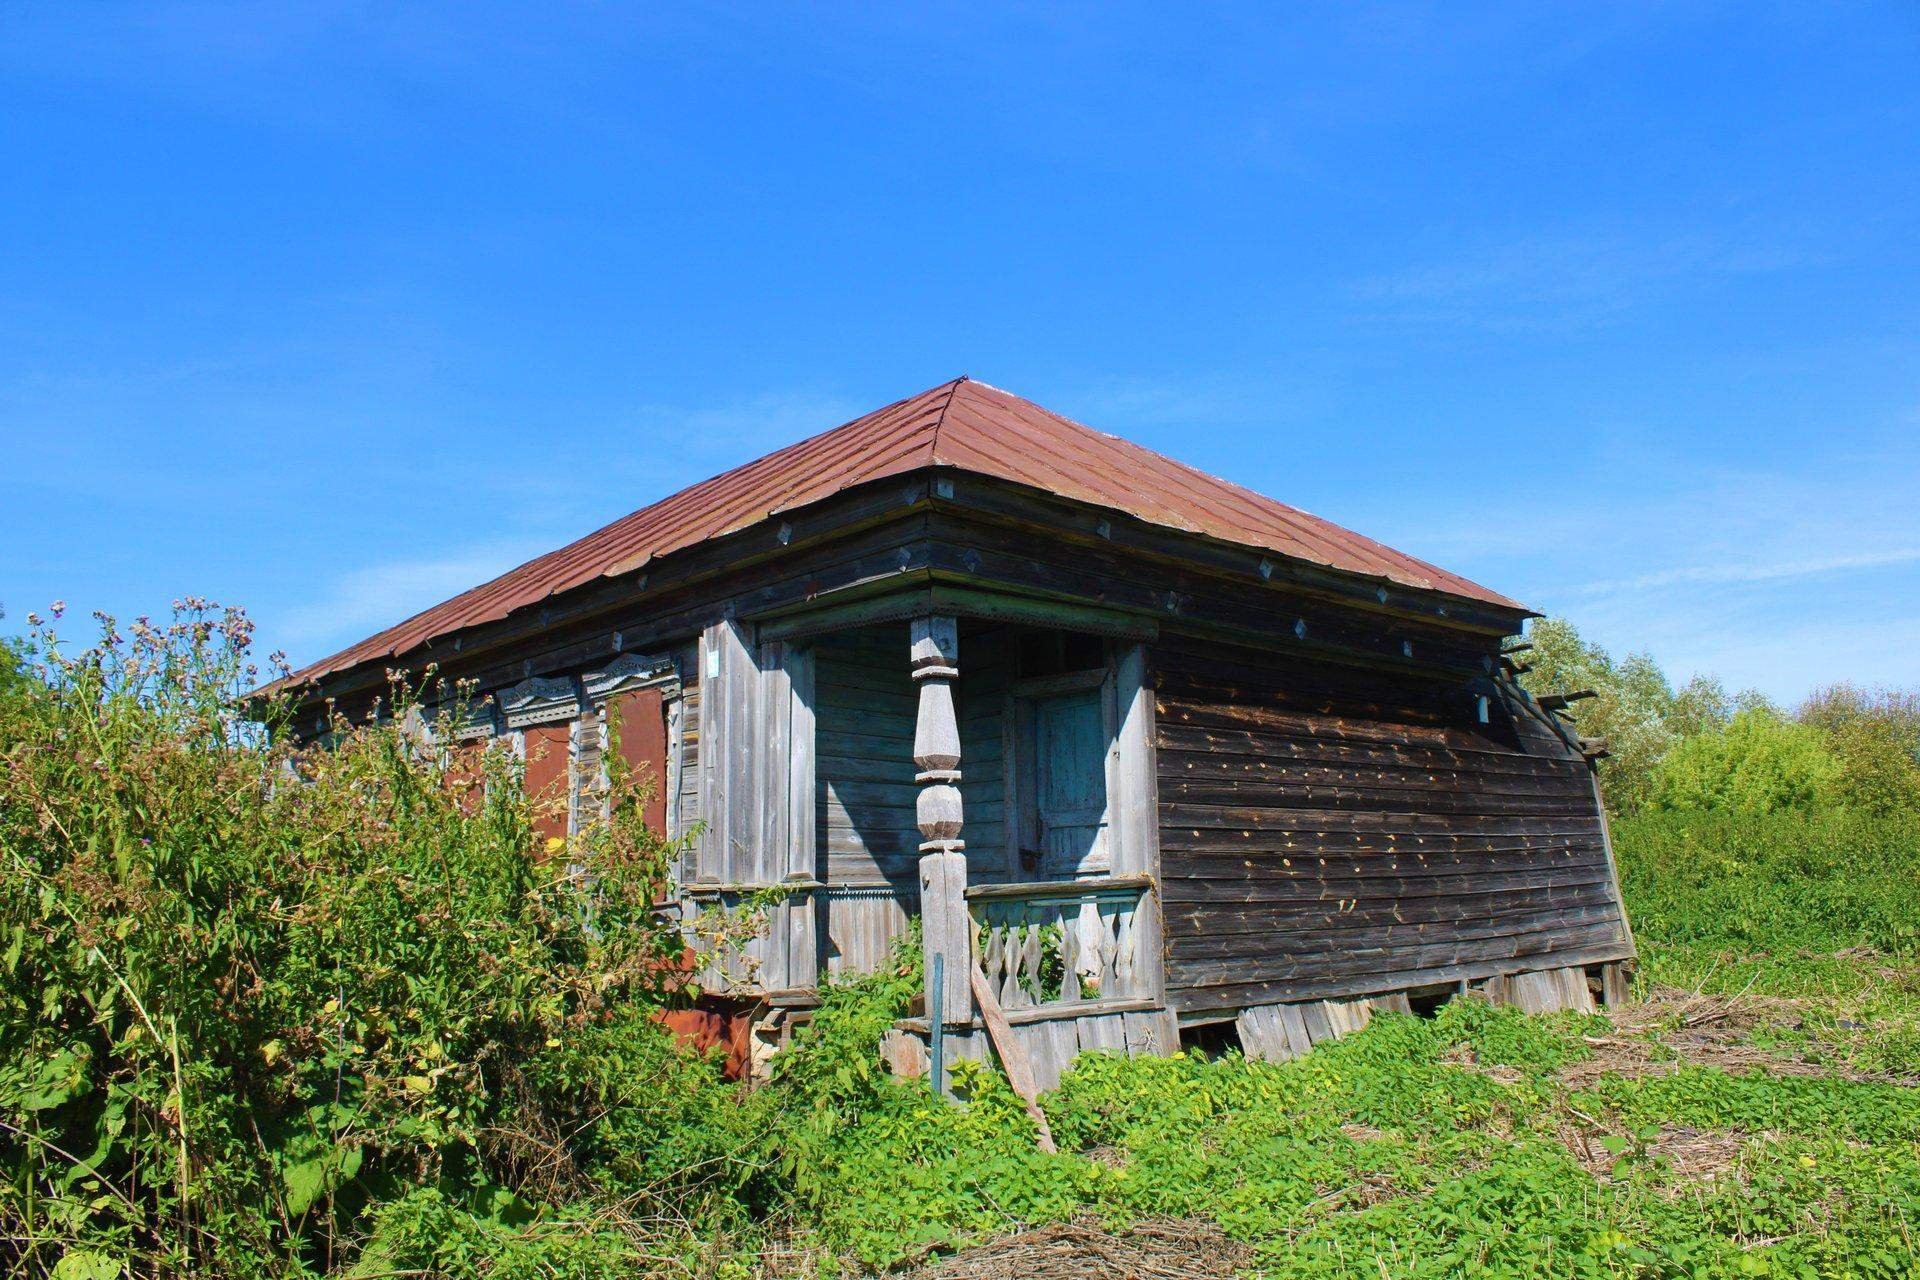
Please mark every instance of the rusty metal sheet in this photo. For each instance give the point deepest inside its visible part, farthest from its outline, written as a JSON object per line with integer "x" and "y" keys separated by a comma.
{"x": 964, "y": 424}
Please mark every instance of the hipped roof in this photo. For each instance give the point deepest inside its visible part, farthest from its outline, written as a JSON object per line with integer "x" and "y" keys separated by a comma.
{"x": 964, "y": 424}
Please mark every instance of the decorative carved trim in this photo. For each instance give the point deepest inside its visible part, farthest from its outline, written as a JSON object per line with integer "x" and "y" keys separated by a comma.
{"x": 629, "y": 671}
{"x": 540, "y": 700}
{"x": 468, "y": 719}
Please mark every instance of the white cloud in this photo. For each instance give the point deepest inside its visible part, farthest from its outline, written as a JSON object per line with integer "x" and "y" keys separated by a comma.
{"x": 1782, "y": 578}
{"x": 1773, "y": 571}
{"x": 368, "y": 599}
{"x": 1576, "y": 280}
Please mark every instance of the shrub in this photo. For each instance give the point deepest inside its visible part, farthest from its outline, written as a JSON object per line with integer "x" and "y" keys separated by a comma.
{"x": 245, "y": 1006}
{"x": 1875, "y": 737}
{"x": 1759, "y": 763}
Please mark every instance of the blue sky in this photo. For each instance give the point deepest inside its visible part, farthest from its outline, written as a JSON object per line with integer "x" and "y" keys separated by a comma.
{"x": 335, "y": 310}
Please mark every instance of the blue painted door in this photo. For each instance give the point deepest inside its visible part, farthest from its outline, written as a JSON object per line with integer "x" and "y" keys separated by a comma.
{"x": 1070, "y": 783}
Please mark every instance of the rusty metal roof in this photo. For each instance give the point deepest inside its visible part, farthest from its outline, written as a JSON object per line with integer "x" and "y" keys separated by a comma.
{"x": 963, "y": 424}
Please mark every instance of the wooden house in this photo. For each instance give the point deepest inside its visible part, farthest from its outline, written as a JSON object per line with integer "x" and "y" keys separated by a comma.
{"x": 1148, "y": 754}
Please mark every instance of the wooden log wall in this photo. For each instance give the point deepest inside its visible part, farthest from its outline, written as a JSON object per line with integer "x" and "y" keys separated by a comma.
{"x": 1329, "y": 832}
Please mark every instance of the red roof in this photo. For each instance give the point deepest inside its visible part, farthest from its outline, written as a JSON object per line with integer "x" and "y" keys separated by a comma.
{"x": 963, "y": 424}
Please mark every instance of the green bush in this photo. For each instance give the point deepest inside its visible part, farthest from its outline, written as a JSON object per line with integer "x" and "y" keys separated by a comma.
{"x": 251, "y": 996}
{"x": 1785, "y": 882}
{"x": 1875, "y": 737}
{"x": 1758, "y": 764}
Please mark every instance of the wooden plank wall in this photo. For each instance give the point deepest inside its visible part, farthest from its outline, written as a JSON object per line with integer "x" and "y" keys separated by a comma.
{"x": 1327, "y": 832}
{"x": 863, "y": 722}
{"x": 986, "y": 681}
{"x": 864, "y": 709}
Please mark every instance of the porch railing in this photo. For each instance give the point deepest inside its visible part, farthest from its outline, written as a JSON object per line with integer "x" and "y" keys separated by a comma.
{"x": 1059, "y": 943}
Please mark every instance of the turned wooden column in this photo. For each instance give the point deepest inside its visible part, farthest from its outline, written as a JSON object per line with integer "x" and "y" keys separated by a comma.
{"x": 945, "y": 925}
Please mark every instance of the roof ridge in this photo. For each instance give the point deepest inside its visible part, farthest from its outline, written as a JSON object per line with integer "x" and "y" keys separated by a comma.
{"x": 933, "y": 445}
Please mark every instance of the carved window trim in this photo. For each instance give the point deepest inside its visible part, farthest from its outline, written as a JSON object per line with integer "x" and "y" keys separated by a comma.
{"x": 540, "y": 700}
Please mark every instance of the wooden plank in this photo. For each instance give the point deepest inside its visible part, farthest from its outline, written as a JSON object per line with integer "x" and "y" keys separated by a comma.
{"x": 1375, "y": 968}
{"x": 1261, "y": 1035}
{"x": 1254, "y": 987}
{"x": 1138, "y": 848}
{"x": 1360, "y": 959}
{"x": 1256, "y": 948}
{"x": 1256, "y": 891}
{"x": 802, "y": 782}
{"x": 1230, "y": 758}
{"x": 1104, "y": 1033}
{"x": 904, "y": 1053}
{"x": 1182, "y": 741}
{"x": 1349, "y": 855}
{"x": 1062, "y": 1037}
{"x": 1013, "y": 1054}
{"x": 772, "y": 717}
{"x": 970, "y": 602}
{"x": 1615, "y": 988}
{"x": 1042, "y": 890}
{"x": 1252, "y": 817}
{"x": 1435, "y": 800}
{"x": 1230, "y": 926}
{"x": 1152, "y": 1033}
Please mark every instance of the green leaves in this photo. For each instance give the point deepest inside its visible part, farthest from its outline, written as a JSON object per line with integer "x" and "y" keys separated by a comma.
{"x": 54, "y": 1081}
{"x": 86, "y": 1264}
{"x": 239, "y": 1007}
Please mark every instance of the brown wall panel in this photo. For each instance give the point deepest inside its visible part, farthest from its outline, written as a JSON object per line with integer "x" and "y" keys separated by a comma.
{"x": 1330, "y": 831}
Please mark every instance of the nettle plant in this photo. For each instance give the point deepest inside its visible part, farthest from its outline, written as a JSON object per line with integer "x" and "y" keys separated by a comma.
{"x": 249, "y": 992}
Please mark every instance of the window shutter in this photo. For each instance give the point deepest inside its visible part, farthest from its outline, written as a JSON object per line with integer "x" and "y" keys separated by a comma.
{"x": 548, "y": 751}
{"x": 639, "y": 721}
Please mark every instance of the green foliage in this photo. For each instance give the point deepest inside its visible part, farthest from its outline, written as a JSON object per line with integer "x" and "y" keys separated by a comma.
{"x": 1821, "y": 907}
{"x": 345, "y": 1014}
{"x": 1875, "y": 738}
{"x": 251, "y": 995}
{"x": 1758, "y": 764}
{"x": 1737, "y": 883}
{"x": 1637, "y": 710}
{"x": 428, "y": 1232}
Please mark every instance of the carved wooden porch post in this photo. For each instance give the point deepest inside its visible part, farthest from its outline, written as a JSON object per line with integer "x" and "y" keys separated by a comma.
{"x": 945, "y": 925}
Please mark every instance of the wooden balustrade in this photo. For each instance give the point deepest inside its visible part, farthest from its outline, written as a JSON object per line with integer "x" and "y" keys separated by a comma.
{"x": 1059, "y": 943}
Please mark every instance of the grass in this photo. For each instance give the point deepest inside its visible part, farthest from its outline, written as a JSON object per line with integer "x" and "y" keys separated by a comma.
{"x": 1754, "y": 1115}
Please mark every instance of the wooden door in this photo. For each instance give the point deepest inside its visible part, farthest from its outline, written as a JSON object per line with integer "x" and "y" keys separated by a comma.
{"x": 1070, "y": 783}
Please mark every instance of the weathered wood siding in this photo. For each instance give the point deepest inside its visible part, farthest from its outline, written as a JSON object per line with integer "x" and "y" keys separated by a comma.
{"x": 687, "y": 723}
{"x": 982, "y": 706}
{"x": 863, "y": 757}
{"x": 864, "y": 709}
{"x": 864, "y": 716}
{"x": 1333, "y": 832}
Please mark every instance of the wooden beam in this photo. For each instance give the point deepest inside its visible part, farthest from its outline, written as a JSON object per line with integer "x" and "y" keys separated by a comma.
{"x": 1060, "y": 888}
{"x": 1013, "y": 1056}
